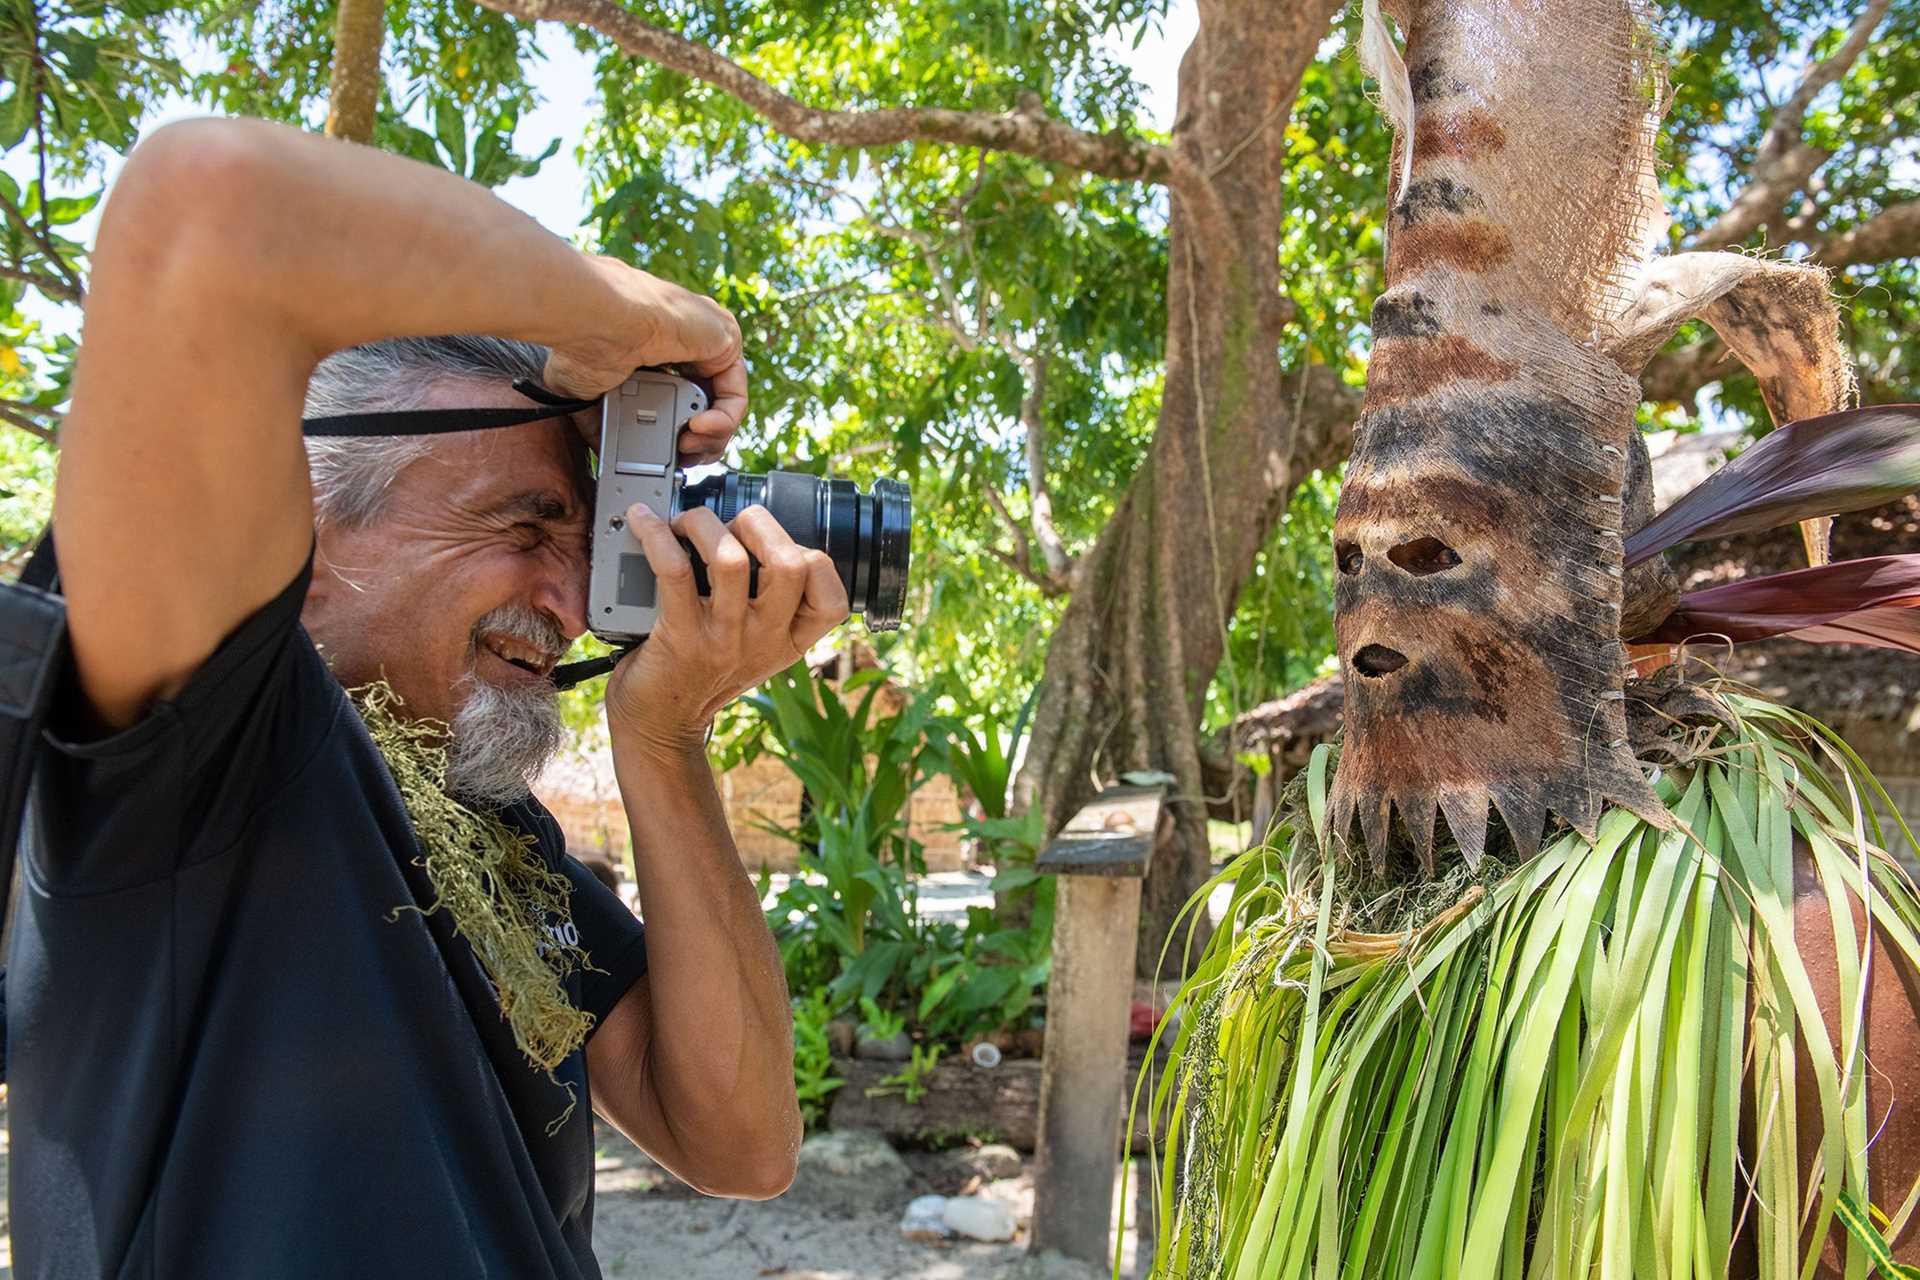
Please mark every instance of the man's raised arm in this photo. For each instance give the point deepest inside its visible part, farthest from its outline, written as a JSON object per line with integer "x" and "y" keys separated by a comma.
{"x": 232, "y": 256}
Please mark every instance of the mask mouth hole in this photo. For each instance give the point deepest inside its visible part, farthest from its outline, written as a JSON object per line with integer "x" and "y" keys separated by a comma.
{"x": 1376, "y": 660}
{"x": 1423, "y": 556}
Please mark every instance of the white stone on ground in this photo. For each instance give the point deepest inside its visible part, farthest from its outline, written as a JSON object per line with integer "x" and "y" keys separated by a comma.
{"x": 979, "y": 1218}
{"x": 924, "y": 1220}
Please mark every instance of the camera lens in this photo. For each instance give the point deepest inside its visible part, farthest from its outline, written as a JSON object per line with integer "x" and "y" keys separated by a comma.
{"x": 867, "y": 536}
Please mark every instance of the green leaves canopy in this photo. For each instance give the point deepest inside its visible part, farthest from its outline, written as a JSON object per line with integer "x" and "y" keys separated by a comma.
{"x": 897, "y": 300}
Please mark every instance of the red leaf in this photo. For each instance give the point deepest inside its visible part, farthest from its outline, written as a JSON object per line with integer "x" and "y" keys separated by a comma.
{"x": 1815, "y": 467}
{"x": 1874, "y": 601}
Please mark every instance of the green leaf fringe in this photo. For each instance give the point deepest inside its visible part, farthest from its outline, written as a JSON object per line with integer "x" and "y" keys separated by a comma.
{"x": 1545, "y": 1079}
{"x": 491, "y": 879}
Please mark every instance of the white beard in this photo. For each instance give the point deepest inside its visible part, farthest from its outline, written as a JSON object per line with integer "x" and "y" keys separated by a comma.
{"x": 503, "y": 737}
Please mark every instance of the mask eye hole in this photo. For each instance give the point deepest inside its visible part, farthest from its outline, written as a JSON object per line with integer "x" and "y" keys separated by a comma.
{"x": 1423, "y": 556}
{"x": 1347, "y": 555}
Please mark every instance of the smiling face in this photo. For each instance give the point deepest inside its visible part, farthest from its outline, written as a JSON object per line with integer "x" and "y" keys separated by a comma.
{"x": 468, "y": 584}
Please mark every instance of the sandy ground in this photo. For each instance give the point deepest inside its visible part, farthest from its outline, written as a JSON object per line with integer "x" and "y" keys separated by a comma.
{"x": 647, "y": 1224}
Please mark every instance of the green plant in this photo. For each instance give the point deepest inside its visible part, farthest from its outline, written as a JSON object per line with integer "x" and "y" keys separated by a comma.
{"x": 850, "y": 927}
{"x": 982, "y": 763}
{"x": 881, "y": 1024}
{"x": 1585, "y": 1066}
{"x": 813, "y": 1078}
{"x": 850, "y": 923}
{"x": 911, "y": 1080}
{"x": 994, "y": 979}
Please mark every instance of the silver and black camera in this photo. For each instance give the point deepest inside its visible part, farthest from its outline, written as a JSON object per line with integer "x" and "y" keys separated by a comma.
{"x": 868, "y": 536}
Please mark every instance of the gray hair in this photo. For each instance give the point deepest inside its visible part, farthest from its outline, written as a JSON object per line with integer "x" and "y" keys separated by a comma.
{"x": 351, "y": 474}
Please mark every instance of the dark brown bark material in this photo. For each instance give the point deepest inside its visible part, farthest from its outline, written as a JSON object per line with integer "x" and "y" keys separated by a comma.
{"x": 1131, "y": 659}
{"x": 353, "y": 94}
{"x": 1479, "y": 598}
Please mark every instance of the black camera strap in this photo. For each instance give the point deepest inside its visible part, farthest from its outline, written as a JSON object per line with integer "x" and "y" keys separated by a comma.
{"x": 438, "y": 422}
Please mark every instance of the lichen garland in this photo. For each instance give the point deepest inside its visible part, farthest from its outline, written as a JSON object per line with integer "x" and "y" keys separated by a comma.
{"x": 1546, "y": 1079}
{"x": 491, "y": 880}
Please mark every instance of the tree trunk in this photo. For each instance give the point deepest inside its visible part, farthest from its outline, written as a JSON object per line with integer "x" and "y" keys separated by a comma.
{"x": 353, "y": 94}
{"x": 1129, "y": 665}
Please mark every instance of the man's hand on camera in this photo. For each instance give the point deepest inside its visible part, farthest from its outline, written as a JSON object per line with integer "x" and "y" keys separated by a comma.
{"x": 670, "y": 326}
{"x": 704, "y": 652}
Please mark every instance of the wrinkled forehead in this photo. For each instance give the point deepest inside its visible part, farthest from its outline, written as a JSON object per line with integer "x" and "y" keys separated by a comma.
{"x": 479, "y": 468}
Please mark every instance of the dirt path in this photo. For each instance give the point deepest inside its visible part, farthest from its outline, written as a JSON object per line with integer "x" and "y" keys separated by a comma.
{"x": 647, "y": 1224}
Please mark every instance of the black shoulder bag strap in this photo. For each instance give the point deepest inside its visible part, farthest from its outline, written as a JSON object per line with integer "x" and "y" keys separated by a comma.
{"x": 33, "y": 617}
{"x": 33, "y": 636}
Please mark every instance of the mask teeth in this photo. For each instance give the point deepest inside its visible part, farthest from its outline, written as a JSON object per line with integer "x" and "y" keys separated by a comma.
{"x": 1340, "y": 812}
{"x": 1375, "y": 818}
{"x": 1466, "y": 813}
{"x": 1417, "y": 812}
{"x": 1583, "y": 811}
{"x": 1524, "y": 810}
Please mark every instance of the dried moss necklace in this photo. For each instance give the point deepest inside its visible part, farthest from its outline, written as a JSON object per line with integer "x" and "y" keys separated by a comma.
{"x": 492, "y": 881}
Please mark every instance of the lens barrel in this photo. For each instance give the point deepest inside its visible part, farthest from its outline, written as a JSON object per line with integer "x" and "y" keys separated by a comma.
{"x": 867, "y": 536}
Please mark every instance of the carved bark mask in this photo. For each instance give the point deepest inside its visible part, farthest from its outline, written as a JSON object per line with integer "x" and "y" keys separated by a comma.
{"x": 1479, "y": 604}
{"x": 1478, "y": 534}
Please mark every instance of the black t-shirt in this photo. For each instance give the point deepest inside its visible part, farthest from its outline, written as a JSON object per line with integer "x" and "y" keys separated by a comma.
{"x": 229, "y": 1054}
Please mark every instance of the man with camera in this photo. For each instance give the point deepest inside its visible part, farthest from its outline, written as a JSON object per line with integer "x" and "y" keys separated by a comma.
{"x": 256, "y": 1024}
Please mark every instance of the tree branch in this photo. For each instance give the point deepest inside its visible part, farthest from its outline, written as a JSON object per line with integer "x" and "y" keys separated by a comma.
{"x": 1061, "y": 566}
{"x": 951, "y": 319}
{"x": 1894, "y": 232}
{"x": 74, "y": 290}
{"x": 67, "y": 287}
{"x": 1024, "y": 568}
{"x": 1784, "y": 162}
{"x": 12, "y": 412}
{"x": 1022, "y": 558}
{"x": 1024, "y": 132}
{"x": 353, "y": 92}
{"x": 52, "y": 286}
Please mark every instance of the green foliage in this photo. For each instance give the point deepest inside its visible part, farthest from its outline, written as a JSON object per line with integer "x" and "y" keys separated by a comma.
{"x": 1588, "y": 1067}
{"x": 849, "y": 927}
{"x": 880, "y": 1024}
{"x": 896, "y": 300}
{"x": 981, "y": 762}
{"x": 852, "y": 924}
{"x": 995, "y": 978}
{"x": 813, "y": 1078}
{"x": 1733, "y": 61}
{"x": 911, "y": 1080}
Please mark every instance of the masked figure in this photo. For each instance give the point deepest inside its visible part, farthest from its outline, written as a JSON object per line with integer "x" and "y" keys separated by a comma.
{"x": 1496, "y": 464}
